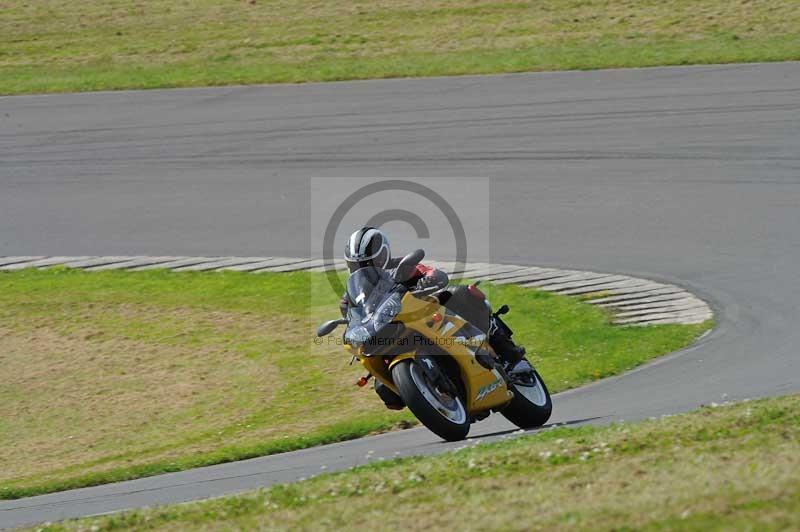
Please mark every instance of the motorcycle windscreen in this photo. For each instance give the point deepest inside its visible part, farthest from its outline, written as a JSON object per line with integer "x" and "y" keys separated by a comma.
{"x": 367, "y": 289}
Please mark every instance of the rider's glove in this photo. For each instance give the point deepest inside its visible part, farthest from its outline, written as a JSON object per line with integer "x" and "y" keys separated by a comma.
{"x": 434, "y": 278}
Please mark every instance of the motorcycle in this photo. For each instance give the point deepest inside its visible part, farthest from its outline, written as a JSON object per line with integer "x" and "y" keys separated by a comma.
{"x": 418, "y": 345}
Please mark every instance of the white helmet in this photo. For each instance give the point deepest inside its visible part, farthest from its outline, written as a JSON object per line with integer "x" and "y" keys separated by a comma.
{"x": 367, "y": 247}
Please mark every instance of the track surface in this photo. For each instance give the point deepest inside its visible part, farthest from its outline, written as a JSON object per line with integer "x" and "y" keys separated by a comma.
{"x": 690, "y": 175}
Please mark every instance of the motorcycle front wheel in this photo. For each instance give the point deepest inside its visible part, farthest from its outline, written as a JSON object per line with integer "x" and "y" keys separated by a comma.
{"x": 442, "y": 413}
{"x": 531, "y": 406}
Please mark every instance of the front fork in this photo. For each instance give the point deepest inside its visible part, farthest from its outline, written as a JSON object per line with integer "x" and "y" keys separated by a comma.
{"x": 435, "y": 374}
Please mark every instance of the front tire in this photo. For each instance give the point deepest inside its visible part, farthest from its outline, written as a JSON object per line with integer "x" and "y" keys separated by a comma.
{"x": 531, "y": 406}
{"x": 445, "y": 416}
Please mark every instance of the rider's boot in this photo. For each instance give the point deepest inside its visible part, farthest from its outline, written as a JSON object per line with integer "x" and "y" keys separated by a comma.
{"x": 512, "y": 354}
{"x": 390, "y": 399}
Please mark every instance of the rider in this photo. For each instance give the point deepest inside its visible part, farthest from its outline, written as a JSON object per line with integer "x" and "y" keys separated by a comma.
{"x": 369, "y": 246}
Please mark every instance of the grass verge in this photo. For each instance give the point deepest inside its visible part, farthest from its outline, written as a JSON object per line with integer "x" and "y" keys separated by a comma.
{"x": 49, "y": 46}
{"x": 732, "y": 467}
{"x": 109, "y": 376}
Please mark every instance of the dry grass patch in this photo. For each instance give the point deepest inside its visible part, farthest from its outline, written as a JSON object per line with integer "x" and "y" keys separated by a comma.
{"x": 108, "y": 391}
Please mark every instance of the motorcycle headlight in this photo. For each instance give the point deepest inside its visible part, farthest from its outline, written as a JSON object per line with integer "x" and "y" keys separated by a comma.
{"x": 357, "y": 335}
{"x": 388, "y": 310}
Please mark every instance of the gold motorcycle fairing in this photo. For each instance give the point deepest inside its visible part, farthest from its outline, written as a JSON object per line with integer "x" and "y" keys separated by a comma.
{"x": 485, "y": 389}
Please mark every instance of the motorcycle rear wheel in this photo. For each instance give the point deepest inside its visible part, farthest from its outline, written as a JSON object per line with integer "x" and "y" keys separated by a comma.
{"x": 444, "y": 415}
{"x": 531, "y": 406}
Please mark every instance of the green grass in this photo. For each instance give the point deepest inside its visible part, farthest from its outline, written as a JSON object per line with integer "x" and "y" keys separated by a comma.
{"x": 109, "y": 376}
{"x": 49, "y": 46}
{"x": 732, "y": 467}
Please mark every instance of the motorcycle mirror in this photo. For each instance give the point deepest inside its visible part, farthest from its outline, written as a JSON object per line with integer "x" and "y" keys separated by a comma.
{"x": 502, "y": 310}
{"x": 405, "y": 269}
{"x": 326, "y": 328}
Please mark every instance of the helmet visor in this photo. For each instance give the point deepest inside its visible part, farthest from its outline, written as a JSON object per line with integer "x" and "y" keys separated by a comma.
{"x": 355, "y": 265}
{"x": 379, "y": 260}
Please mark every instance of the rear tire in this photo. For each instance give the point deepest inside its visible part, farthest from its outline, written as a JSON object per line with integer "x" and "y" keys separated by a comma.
{"x": 531, "y": 407}
{"x": 445, "y": 418}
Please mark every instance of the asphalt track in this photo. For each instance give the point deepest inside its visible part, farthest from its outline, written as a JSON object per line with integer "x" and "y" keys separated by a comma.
{"x": 689, "y": 175}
